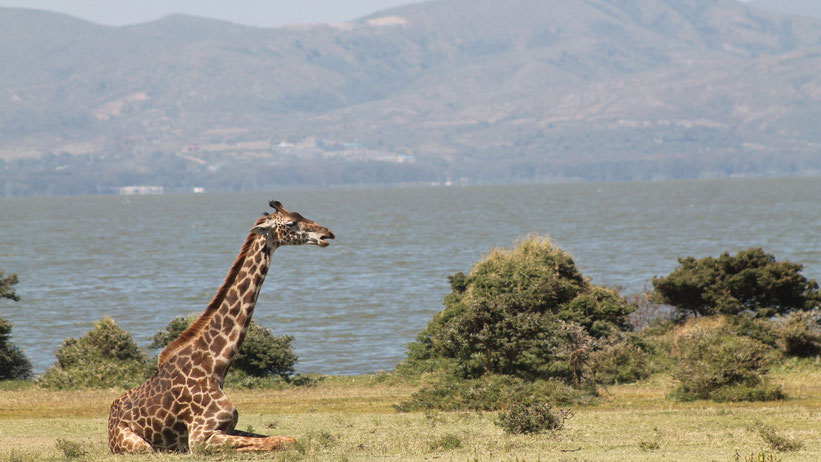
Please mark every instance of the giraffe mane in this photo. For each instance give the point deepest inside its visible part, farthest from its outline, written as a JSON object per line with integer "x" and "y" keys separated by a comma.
{"x": 194, "y": 330}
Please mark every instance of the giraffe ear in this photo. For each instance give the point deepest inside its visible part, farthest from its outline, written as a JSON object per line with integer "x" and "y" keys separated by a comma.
{"x": 261, "y": 229}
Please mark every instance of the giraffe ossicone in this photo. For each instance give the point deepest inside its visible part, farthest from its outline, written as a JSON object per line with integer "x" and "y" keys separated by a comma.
{"x": 182, "y": 406}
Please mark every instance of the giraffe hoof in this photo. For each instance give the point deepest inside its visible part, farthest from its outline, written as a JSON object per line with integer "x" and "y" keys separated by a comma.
{"x": 281, "y": 442}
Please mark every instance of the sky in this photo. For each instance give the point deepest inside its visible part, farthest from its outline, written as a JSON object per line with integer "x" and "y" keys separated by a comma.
{"x": 262, "y": 13}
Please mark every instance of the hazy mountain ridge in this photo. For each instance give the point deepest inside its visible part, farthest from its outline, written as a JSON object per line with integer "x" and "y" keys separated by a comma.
{"x": 531, "y": 89}
{"x": 810, "y": 8}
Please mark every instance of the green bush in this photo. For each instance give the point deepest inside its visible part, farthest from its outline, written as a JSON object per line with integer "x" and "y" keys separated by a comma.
{"x": 177, "y": 326}
{"x": 7, "y": 284}
{"x": 262, "y": 354}
{"x": 524, "y": 418}
{"x": 13, "y": 363}
{"x": 447, "y": 442}
{"x": 721, "y": 365}
{"x": 72, "y": 449}
{"x": 624, "y": 358}
{"x": 751, "y": 280}
{"x": 106, "y": 356}
{"x": 798, "y": 334}
{"x": 526, "y": 312}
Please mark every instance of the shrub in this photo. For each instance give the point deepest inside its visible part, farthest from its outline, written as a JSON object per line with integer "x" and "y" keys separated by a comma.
{"x": 106, "y": 356}
{"x": 623, "y": 358}
{"x": 13, "y": 363}
{"x": 718, "y": 364}
{"x": 526, "y": 312}
{"x": 262, "y": 354}
{"x": 448, "y": 442}
{"x": 72, "y": 449}
{"x": 177, "y": 326}
{"x": 536, "y": 417}
{"x": 775, "y": 440}
{"x": 750, "y": 280}
{"x": 7, "y": 284}
{"x": 492, "y": 393}
{"x": 798, "y": 334}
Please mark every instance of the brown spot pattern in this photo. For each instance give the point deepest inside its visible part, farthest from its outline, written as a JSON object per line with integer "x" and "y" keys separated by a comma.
{"x": 183, "y": 406}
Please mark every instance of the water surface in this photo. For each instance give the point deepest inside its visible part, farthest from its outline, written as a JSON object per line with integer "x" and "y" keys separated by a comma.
{"x": 353, "y": 306}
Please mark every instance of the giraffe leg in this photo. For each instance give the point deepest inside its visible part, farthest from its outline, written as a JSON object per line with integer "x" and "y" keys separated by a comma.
{"x": 125, "y": 441}
{"x": 216, "y": 429}
{"x": 219, "y": 439}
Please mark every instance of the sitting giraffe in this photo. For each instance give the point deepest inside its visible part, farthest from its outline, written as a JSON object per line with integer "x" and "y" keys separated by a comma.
{"x": 183, "y": 406}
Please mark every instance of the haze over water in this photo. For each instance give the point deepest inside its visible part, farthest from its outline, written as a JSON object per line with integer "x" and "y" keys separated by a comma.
{"x": 353, "y": 306}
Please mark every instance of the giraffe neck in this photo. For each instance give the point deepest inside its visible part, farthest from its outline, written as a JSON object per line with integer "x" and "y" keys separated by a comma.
{"x": 213, "y": 340}
{"x": 230, "y": 323}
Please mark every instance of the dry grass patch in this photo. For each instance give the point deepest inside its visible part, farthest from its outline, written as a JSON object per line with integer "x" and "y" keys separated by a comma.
{"x": 345, "y": 418}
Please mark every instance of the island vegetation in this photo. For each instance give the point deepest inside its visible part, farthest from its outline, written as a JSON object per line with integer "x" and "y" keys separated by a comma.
{"x": 528, "y": 360}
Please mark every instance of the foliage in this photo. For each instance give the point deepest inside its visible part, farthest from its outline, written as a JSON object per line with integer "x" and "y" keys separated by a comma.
{"x": 524, "y": 418}
{"x": 492, "y": 392}
{"x": 164, "y": 336}
{"x": 759, "y": 329}
{"x": 526, "y": 312}
{"x": 624, "y": 358}
{"x": 448, "y": 441}
{"x": 751, "y": 280}
{"x": 776, "y": 440}
{"x": 71, "y": 449}
{"x": 7, "y": 286}
{"x": 105, "y": 356}
{"x": 721, "y": 365}
{"x": 262, "y": 354}
{"x": 798, "y": 334}
{"x": 13, "y": 363}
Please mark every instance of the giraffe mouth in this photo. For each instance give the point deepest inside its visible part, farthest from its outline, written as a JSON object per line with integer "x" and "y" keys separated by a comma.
{"x": 322, "y": 242}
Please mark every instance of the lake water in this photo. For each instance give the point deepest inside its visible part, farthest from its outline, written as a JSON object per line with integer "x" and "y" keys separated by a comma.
{"x": 353, "y": 306}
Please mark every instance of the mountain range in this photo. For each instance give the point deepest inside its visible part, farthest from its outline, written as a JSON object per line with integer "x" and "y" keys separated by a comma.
{"x": 447, "y": 90}
{"x": 811, "y": 8}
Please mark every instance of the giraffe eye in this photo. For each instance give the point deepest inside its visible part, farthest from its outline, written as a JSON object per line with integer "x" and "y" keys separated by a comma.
{"x": 291, "y": 224}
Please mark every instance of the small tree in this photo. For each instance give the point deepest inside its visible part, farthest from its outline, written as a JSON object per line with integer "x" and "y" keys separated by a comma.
{"x": 13, "y": 363}
{"x": 751, "y": 280}
{"x": 262, "y": 353}
{"x": 527, "y": 312}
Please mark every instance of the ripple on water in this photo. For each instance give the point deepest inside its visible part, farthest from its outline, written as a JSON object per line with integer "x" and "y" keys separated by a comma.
{"x": 353, "y": 306}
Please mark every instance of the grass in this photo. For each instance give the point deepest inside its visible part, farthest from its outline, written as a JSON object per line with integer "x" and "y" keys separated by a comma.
{"x": 352, "y": 418}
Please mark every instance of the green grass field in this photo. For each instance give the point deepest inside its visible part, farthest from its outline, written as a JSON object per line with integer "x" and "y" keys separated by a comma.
{"x": 352, "y": 418}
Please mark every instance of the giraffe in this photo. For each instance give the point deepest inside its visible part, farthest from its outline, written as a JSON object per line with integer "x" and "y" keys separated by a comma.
{"x": 183, "y": 407}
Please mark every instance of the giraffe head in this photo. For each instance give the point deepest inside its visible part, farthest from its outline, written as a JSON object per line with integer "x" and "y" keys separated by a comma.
{"x": 290, "y": 228}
